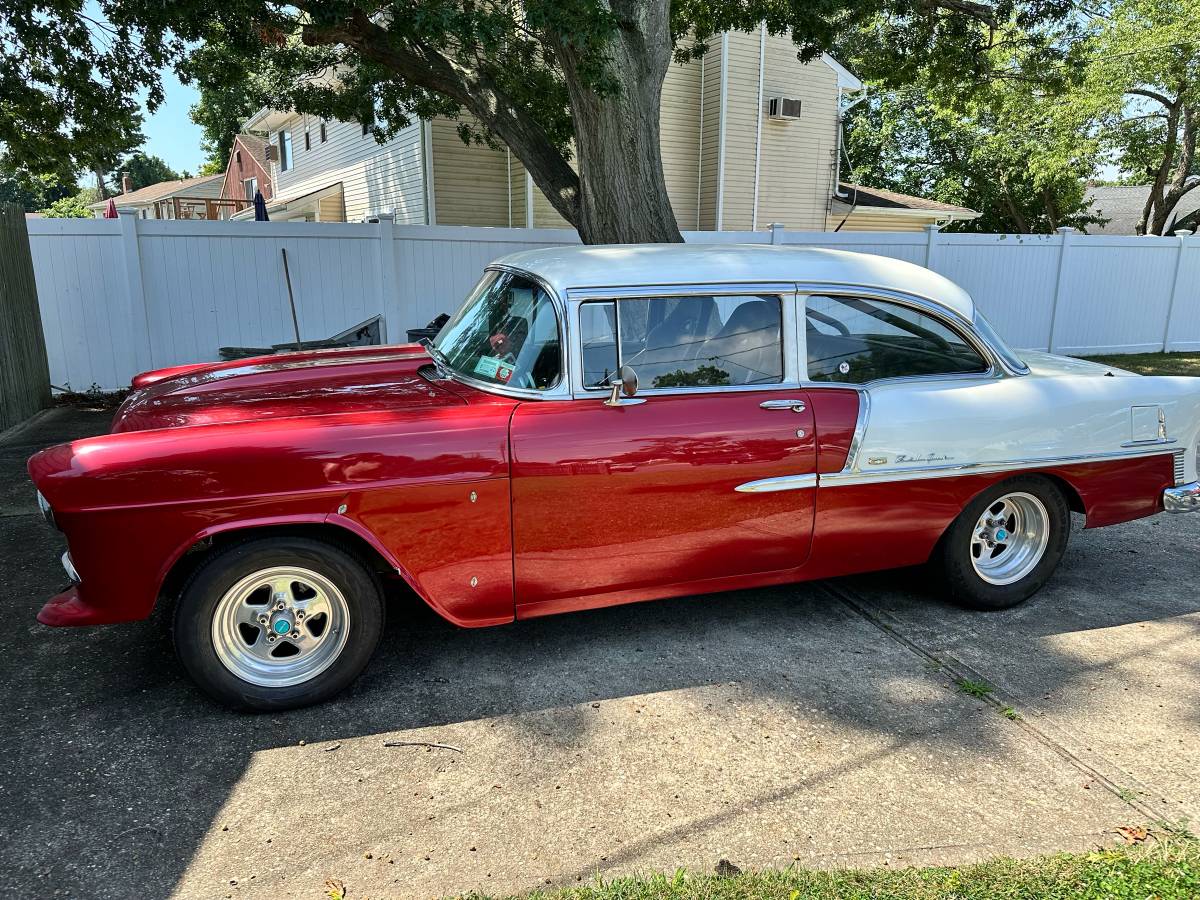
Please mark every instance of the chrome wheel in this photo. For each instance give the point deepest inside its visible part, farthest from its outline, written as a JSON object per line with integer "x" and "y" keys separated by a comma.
{"x": 280, "y": 627}
{"x": 1010, "y": 538}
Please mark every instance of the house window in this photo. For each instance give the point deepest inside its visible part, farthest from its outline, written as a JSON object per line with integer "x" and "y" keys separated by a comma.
{"x": 250, "y": 185}
{"x": 855, "y": 340}
{"x": 237, "y": 155}
{"x": 285, "y": 150}
{"x": 307, "y": 140}
{"x": 323, "y": 136}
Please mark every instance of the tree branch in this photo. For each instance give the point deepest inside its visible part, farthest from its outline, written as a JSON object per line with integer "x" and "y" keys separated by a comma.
{"x": 975, "y": 10}
{"x": 471, "y": 88}
{"x": 1154, "y": 95}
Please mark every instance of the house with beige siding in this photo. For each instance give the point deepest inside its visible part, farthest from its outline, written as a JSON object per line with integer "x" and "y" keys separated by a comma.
{"x": 750, "y": 137}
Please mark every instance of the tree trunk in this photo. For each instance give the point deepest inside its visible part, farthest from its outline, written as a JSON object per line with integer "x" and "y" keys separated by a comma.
{"x": 101, "y": 185}
{"x": 1153, "y": 207}
{"x": 1179, "y": 183}
{"x": 623, "y": 193}
{"x": 619, "y": 194}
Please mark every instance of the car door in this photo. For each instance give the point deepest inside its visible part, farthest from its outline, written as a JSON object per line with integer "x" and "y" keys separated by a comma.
{"x": 705, "y": 477}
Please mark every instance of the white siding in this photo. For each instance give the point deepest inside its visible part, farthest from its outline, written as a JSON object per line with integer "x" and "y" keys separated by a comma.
{"x": 375, "y": 177}
{"x": 796, "y": 169}
{"x": 470, "y": 181}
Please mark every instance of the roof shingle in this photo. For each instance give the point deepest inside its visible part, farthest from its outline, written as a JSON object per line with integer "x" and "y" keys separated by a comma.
{"x": 153, "y": 192}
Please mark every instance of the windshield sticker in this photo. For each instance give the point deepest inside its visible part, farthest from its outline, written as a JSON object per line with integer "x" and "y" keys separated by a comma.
{"x": 491, "y": 367}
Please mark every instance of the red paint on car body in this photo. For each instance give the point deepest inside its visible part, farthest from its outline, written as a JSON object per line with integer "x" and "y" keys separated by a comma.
{"x": 492, "y": 508}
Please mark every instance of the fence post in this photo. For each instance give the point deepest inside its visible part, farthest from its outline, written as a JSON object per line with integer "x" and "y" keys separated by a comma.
{"x": 1066, "y": 231}
{"x": 931, "y": 242}
{"x": 1183, "y": 235}
{"x": 776, "y": 233}
{"x": 24, "y": 373}
{"x": 139, "y": 316}
{"x": 387, "y": 268}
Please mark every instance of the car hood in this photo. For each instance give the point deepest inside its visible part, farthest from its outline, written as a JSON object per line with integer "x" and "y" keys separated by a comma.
{"x": 284, "y": 386}
{"x": 1048, "y": 364}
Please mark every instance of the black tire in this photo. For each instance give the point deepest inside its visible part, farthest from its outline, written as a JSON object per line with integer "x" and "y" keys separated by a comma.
{"x": 953, "y": 561}
{"x": 200, "y": 596}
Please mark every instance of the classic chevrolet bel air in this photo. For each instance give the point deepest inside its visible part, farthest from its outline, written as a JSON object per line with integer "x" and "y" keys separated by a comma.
{"x": 601, "y": 425}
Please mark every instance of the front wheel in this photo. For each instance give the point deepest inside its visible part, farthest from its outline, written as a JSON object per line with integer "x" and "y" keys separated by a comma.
{"x": 278, "y": 622}
{"x": 1006, "y": 544}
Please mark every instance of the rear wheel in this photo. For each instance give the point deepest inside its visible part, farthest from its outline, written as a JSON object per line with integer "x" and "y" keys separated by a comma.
{"x": 1006, "y": 544}
{"x": 278, "y": 622}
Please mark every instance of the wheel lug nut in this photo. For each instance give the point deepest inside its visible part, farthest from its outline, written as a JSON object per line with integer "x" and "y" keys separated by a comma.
{"x": 299, "y": 614}
{"x": 280, "y": 605}
{"x": 262, "y": 620}
{"x": 270, "y": 638}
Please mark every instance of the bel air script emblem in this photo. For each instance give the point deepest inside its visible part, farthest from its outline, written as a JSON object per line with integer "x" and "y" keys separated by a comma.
{"x": 930, "y": 457}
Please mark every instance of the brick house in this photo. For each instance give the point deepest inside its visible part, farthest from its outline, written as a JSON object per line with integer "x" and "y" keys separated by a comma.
{"x": 247, "y": 170}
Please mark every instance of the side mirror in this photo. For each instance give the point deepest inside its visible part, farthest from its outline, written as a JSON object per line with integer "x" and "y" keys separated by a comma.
{"x": 625, "y": 382}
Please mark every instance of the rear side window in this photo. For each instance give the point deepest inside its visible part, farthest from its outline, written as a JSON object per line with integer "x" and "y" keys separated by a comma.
{"x": 673, "y": 342}
{"x": 854, "y": 340}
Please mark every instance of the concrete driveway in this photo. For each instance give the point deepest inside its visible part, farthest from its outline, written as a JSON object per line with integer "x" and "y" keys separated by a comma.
{"x": 819, "y": 723}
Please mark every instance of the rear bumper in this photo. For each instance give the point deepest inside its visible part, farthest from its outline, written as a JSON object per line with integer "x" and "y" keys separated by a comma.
{"x": 1184, "y": 498}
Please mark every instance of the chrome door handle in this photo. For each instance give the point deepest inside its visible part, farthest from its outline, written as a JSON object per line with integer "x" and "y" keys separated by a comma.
{"x": 793, "y": 405}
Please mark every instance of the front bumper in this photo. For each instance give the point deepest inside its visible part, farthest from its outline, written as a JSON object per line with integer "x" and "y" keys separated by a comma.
{"x": 1184, "y": 498}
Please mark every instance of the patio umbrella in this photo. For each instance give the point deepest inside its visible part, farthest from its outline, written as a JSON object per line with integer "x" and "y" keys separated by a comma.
{"x": 260, "y": 208}
{"x": 110, "y": 211}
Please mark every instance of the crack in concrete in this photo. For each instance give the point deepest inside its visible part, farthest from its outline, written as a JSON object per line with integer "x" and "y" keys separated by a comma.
{"x": 960, "y": 671}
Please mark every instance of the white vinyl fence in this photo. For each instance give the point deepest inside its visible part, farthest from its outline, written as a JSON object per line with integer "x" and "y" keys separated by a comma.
{"x": 122, "y": 296}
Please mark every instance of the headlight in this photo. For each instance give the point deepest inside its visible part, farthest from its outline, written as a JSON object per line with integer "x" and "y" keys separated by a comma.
{"x": 44, "y": 506}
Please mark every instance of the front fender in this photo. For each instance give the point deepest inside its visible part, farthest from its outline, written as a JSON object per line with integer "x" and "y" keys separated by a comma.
{"x": 131, "y": 504}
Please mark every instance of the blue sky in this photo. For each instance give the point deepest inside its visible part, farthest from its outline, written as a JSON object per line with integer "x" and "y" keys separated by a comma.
{"x": 169, "y": 132}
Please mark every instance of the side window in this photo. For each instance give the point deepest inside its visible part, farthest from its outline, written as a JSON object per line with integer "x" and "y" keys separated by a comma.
{"x": 855, "y": 340}
{"x": 707, "y": 341}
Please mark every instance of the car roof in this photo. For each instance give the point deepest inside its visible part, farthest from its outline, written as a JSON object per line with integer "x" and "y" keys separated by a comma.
{"x": 634, "y": 265}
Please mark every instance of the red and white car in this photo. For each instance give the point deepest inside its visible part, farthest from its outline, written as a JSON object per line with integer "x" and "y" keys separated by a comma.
{"x": 601, "y": 425}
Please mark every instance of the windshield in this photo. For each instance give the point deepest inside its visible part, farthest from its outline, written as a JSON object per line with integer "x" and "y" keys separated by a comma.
{"x": 505, "y": 334}
{"x": 988, "y": 333}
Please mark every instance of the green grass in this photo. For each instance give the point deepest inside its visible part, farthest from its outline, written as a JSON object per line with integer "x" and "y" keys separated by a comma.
{"x": 1166, "y": 870}
{"x": 1153, "y": 363}
{"x": 977, "y": 689}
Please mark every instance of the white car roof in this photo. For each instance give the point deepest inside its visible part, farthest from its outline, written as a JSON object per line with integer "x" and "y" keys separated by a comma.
{"x": 634, "y": 265}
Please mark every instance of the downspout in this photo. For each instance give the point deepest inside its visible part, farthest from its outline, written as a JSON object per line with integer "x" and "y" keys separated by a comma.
{"x": 700, "y": 148}
{"x": 721, "y": 131}
{"x": 427, "y": 146}
{"x": 837, "y": 160}
{"x": 762, "y": 57}
{"x": 528, "y": 200}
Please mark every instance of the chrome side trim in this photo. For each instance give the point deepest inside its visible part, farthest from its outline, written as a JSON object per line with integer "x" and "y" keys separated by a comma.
{"x": 782, "y": 483}
{"x": 845, "y": 478}
{"x": 1149, "y": 442}
{"x": 679, "y": 289}
{"x": 860, "y": 430}
{"x": 1183, "y": 498}
{"x": 1181, "y": 466}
